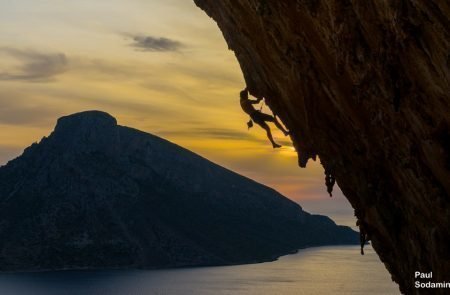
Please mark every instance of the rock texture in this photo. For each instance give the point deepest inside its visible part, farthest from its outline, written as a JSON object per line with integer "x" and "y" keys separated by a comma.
{"x": 364, "y": 85}
{"x": 98, "y": 195}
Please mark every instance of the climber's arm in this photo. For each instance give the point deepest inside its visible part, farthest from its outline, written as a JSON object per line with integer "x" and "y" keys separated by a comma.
{"x": 258, "y": 100}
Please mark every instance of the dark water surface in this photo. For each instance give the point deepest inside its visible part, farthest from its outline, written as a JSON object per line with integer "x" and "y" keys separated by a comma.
{"x": 317, "y": 271}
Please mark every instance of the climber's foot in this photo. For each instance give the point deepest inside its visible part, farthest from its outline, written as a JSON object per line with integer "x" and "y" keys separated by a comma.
{"x": 276, "y": 146}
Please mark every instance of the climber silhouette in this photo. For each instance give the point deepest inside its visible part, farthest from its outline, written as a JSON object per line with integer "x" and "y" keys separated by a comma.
{"x": 259, "y": 117}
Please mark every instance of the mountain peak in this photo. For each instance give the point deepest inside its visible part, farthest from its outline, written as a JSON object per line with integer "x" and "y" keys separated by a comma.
{"x": 86, "y": 120}
{"x": 98, "y": 195}
{"x": 92, "y": 130}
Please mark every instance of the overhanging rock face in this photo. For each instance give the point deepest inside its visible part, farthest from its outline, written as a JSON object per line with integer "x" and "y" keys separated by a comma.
{"x": 364, "y": 85}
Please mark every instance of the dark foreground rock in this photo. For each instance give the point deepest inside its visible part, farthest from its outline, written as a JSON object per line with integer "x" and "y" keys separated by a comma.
{"x": 98, "y": 195}
{"x": 364, "y": 85}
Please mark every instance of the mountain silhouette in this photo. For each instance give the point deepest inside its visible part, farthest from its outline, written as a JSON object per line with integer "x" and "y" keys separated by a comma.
{"x": 98, "y": 195}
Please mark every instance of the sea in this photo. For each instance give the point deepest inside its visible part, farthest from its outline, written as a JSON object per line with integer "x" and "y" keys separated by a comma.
{"x": 316, "y": 271}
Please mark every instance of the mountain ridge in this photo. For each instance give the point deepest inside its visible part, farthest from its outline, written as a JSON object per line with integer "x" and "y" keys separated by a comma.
{"x": 94, "y": 194}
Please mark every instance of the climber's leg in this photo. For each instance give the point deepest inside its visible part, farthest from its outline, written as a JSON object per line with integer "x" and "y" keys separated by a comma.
{"x": 279, "y": 126}
{"x": 269, "y": 135}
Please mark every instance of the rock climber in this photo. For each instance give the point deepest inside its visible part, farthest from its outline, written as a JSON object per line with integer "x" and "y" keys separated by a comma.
{"x": 259, "y": 117}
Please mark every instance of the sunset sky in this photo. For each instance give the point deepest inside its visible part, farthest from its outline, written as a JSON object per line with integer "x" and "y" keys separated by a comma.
{"x": 160, "y": 66}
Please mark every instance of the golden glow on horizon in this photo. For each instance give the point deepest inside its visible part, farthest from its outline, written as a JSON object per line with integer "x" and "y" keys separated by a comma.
{"x": 61, "y": 57}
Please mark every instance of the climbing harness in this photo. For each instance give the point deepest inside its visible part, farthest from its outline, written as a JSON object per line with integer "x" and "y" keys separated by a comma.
{"x": 250, "y": 122}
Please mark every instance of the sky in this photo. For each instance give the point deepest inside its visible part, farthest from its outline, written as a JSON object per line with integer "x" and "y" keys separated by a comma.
{"x": 161, "y": 66}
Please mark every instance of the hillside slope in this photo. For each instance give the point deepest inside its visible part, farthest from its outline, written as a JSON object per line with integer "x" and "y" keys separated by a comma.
{"x": 98, "y": 195}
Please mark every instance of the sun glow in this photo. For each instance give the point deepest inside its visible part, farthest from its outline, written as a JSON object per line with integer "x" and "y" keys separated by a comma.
{"x": 172, "y": 76}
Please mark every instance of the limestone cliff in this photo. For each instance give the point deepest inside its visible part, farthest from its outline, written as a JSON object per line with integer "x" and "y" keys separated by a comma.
{"x": 364, "y": 85}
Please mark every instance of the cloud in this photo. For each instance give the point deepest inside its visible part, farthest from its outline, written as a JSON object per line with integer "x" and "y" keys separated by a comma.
{"x": 35, "y": 66}
{"x": 156, "y": 44}
{"x": 19, "y": 107}
{"x": 210, "y": 133}
{"x": 95, "y": 69}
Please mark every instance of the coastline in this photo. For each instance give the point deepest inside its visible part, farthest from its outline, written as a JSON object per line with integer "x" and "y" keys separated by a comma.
{"x": 138, "y": 268}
